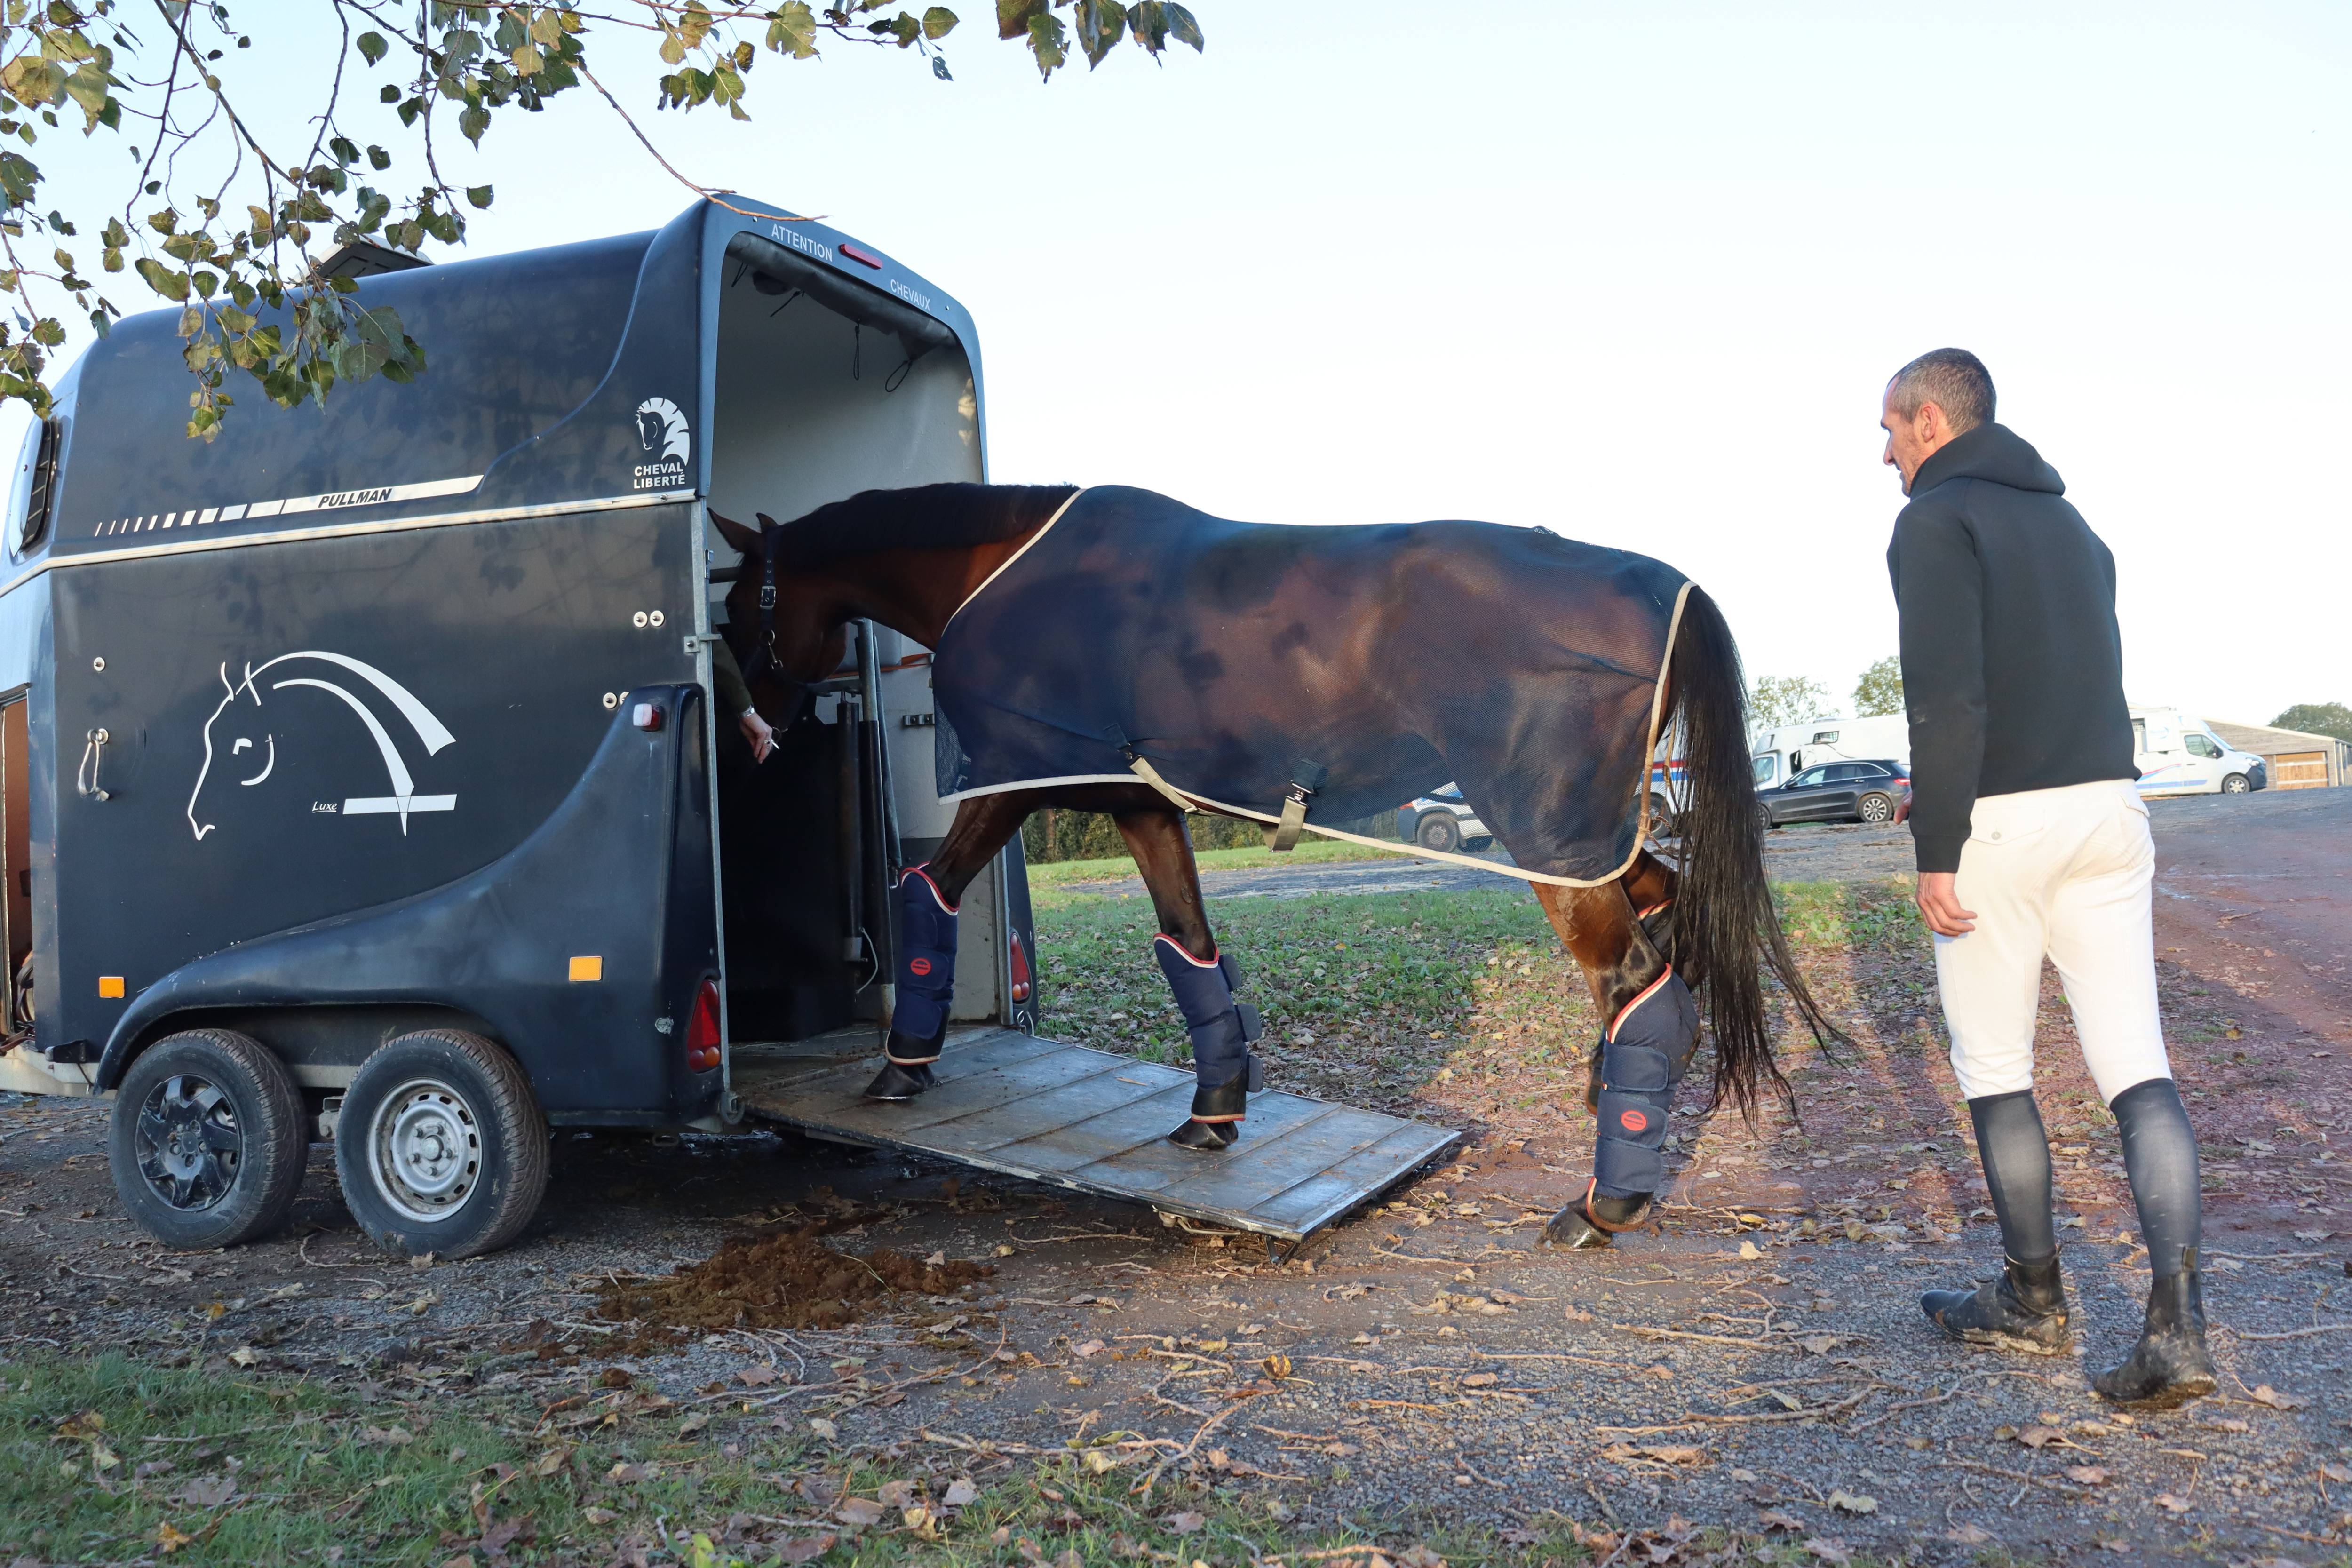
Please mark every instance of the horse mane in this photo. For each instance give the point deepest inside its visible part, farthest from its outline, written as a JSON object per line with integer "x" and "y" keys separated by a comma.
{"x": 926, "y": 517}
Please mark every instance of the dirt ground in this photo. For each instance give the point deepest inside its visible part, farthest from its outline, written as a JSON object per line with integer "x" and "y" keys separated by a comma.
{"x": 1758, "y": 1360}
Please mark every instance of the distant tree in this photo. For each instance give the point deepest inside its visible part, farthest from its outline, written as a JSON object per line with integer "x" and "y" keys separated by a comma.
{"x": 2318, "y": 719}
{"x": 234, "y": 229}
{"x": 1879, "y": 692}
{"x": 1777, "y": 700}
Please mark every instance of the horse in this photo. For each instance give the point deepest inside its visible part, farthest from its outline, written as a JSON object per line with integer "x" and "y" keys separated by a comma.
{"x": 1109, "y": 651}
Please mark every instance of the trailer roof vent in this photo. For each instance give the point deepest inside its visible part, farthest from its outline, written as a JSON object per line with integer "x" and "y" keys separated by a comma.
{"x": 361, "y": 258}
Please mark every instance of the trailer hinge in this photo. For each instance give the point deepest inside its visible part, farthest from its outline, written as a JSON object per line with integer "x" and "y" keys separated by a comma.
{"x": 694, "y": 641}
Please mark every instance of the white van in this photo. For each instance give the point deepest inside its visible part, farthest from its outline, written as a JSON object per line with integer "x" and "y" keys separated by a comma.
{"x": 1781, "y": 755}
{"x": 2180, "y": 754}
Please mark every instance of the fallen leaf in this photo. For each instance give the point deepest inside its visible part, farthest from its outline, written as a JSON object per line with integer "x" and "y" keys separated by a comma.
{"x": 2336, "y": 1472}
{"x": 1090, "y": 1349}
{"x": 423, "y": 1304}
{"x": 88, "y": 1423}
{"x": 2089, "y": 1475}
{"x": 693, "y": 1424}
{"x": 2229, "y": 1423}
{"x": 1419, "y": 1556}
{"x": 1773, "y": 1518}
{"x": 823, "y": 1428}
{"x": 103, "y": 1458}
{"x": 463, "y": 1560}
{"x": 550, "y": 1462}
{"x": 895, "y": 1494}
{"x": 1277, "y": 1366}
{"x": 2038, "y": 1436}
{"x": 807, "y": 1549}
{"x": 1819, "y": 1345}
{"x": 1830, "y": 1550}
{"x": 606, "y": 1515}
{"x": 206, "y": 1491}
{"x": 1852, "y": 1503}
{"x": 1748, "y": 1252}
{"x": 387, "y": 1436}
{"x": 171, "y": 1538}
{"x": 858, "y": 1511}
{"x": 960, "y": 1493}
{"x": 1968, "y": 1535}
{"x": 2266, "y": 1394}
{"x": 756, "y": 1376}
{"x": 1187, "y": 1522}
{"x": 245, "y": 1356}
{"x": 627, "y": 1474}
{"x": 421, "y": 1261}
{"x": 2171, "y": 1504}
{"x": 1481, "y": 1380}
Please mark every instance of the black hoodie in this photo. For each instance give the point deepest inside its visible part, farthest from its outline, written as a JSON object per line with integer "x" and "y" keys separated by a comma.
{"x": 2012, "y": 666}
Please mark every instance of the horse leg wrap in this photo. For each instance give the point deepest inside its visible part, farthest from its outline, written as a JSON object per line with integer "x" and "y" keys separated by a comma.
{"x": 1225, "y": 1070}
{"x": 1644, "y": 1056}
{"x": 927, "y": 953}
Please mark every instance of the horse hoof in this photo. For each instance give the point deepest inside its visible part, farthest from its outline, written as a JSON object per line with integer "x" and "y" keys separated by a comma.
{"x": 1207, "y": 1137}
{"x": 1572, "y": 1230}
{"x": 899, "y": 1081}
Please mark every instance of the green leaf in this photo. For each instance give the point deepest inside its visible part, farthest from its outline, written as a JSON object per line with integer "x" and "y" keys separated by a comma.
{"x": 100, "y": 323}
{"x": 18, "y": 178}
{"x": 390, "y": 94}
{"x": 1101, "y": 25}
{"x": 1182, "y": 27}
{"x": 1050, "y": 42}
{"x": 378, "y": 158}
{"x": 792, "y": 30}
{"x": 480, "y": 195}
{"x": 939, "y": 22}
{"x": 163, "y": 279}
{"x": 1013, "y": 16}
{"x": 33, "y": 81}
{"x": 472, "y": 121}
{"x": 372, "y": 46}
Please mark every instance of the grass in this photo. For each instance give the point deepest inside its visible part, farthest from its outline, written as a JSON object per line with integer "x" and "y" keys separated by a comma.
{"x": 290, "y": 1472}
{"x": 1059, "y": 873}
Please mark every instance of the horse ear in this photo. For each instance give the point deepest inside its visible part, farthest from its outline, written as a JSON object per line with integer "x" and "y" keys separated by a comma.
{"x": 745, "y": 540}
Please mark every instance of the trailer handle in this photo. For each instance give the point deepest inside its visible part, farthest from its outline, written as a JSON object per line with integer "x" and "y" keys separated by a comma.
{"x": 93, "y": 753}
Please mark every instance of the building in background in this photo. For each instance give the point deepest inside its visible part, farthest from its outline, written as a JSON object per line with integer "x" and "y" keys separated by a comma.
{"x": 2297, "y": 758}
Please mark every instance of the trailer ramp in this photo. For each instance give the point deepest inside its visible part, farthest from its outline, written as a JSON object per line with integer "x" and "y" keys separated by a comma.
{"x": 1094, "y": 1122}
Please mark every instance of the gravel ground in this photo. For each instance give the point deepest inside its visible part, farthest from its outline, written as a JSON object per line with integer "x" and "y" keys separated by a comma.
{"x": 1757, "y": 1361}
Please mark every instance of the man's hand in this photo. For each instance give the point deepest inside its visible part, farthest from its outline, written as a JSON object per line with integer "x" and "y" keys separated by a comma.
{"x": 755, "y": 730}
{"x": 1940, "y": 901}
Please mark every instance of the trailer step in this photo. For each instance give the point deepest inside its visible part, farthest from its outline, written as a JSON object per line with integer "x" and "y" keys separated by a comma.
{"x": 1094, "y": 1122}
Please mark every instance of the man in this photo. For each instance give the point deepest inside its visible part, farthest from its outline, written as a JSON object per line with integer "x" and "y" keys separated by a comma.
{"x": 2031, "y": 841}
{"x": 734, "y": 697}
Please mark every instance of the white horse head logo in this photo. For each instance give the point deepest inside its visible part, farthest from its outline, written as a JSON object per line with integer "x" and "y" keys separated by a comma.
{"x": 661, "y": 426}
{"x": 234, "y": 727}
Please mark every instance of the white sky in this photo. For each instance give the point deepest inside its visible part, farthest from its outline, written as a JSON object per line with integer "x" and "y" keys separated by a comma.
{"x": 1636, "y": 274}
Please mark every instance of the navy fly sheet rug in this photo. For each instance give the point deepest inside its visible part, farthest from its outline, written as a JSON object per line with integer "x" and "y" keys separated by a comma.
{"x": 1347, "y": 668}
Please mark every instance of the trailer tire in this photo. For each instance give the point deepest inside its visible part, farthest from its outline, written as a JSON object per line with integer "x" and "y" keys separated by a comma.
{"x": 441, "y": 1146}
{"x": 208, "y": 1139}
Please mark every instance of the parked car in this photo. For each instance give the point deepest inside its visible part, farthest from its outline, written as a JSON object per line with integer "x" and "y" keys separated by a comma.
{"x": 1874, "y": 791}
{"x": 1442, "y": 820}
{"x": 2179, "y": 755}
{"x": 1782, "y": 753}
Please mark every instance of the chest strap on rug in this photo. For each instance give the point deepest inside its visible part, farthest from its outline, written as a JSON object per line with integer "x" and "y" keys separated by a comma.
{"x": 1306, "y": 778}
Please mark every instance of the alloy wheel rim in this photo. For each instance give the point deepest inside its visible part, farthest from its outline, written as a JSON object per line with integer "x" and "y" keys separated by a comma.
{"x": 426, "y": 1150}
{"x": 189, "y": 1144}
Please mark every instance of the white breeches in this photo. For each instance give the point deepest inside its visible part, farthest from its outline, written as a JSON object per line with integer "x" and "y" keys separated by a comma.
{"x": 2070, "y": 874}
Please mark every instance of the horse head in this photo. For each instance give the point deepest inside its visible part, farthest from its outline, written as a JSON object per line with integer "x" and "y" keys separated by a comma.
{"x": 243, "y": 737}
{"x": 794, "y": 638}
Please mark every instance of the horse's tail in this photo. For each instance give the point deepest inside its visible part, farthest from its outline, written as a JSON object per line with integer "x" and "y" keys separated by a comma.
{"x": 1725, "y": 927}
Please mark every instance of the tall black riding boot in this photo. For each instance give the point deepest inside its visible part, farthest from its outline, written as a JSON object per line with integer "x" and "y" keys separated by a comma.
{"x": 2171, "y": 1365}
{"x": 2024, "y": 1309}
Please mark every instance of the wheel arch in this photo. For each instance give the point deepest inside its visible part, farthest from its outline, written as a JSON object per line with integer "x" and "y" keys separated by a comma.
{"x": 321, "y": 1044}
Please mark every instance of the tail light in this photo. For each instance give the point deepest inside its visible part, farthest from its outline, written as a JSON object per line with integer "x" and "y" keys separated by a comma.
{"x": 702, "y": 1029}
{"x": 1020, "y": 968}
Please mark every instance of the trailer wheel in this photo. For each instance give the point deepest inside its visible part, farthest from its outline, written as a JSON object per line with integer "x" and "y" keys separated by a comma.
{"x": 209, "y": 1139}
{"x": 440, "y": 1145}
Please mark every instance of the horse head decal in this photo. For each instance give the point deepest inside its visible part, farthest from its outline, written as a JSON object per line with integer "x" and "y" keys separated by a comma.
{"x": 661, "y": 428}
{"x": 241, "y": 735}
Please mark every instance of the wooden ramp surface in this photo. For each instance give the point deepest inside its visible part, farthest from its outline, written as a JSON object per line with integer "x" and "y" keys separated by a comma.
{"x": 1095, "y": 1122}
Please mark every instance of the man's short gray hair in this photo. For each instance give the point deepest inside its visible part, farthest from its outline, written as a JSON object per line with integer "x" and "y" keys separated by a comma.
{"x": 1954, "y": 380}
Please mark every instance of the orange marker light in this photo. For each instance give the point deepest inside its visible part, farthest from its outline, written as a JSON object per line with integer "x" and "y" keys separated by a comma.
{"x": 110, "y": 986}
{"x": 588, "y": 966}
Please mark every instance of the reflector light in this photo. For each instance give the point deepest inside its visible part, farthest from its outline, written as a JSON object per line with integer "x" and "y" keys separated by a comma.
{"x": 702, "y": 1029}
{"x": 1020, "y": 968}
{"x": 859, "y": 254}
{"x": 647, "y": 716}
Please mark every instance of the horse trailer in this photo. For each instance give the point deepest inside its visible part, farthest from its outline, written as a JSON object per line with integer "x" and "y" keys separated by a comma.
{"x": 358, "y": 779}
{"x": 358, "y": 775}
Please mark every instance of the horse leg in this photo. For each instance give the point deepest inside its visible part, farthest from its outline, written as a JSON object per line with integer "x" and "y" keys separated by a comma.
{"x": 1221, "y": 1029}
{"x": 929, "y": 896}
{"x": 1651, "y": 886}
{"x": 1651, "y": 1033}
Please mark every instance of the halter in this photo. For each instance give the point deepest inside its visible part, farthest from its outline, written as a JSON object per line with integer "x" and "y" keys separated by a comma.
{"x": 764, "y": 653}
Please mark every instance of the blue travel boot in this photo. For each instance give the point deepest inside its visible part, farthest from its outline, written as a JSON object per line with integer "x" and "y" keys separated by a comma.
{"x": 1226, "y": 1071}
{"x": 927, "y": 952}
